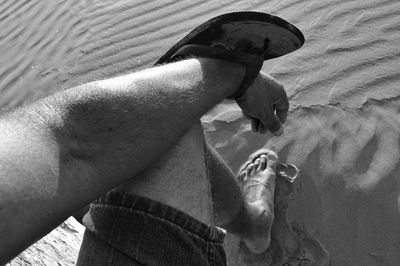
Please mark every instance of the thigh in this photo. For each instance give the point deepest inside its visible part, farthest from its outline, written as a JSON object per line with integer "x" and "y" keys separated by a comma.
{"x": 179, "y": 179}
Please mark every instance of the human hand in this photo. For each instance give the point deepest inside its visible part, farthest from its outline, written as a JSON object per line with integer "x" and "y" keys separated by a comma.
{"x": 265, "y": 103}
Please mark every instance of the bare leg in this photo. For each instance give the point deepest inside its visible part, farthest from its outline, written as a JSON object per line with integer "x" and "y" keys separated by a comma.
{"x": 245, "y": 208}
{"x": 179, "y": 179}
{"x": 216, "y": 199}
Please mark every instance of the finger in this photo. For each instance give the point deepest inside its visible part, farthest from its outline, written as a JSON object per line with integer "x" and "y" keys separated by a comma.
{"x": 269, "y": 118}
{"x": 272, "y": 123}
{"x": 282, "y": 107}
{"x": 280, "y": 102}
{"x": 279, "y": 132}
{"x": 282, "y": 113}
{"x": 262, "y": 129}
{"x": 255, "y": 123}
{"x": 257, "y": 126}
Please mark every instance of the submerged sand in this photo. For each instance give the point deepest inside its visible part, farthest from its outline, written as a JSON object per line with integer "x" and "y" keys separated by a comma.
{"x": 343, "y": 130}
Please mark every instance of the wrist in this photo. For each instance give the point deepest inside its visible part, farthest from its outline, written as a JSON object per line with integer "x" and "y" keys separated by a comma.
{"x": 227, "y": 75}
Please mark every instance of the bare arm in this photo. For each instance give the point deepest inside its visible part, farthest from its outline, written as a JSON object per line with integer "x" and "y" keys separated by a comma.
{"x": 62, "y": 152}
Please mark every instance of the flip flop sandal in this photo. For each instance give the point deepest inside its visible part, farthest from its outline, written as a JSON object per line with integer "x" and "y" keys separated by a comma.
{"x": 246, "y": 38}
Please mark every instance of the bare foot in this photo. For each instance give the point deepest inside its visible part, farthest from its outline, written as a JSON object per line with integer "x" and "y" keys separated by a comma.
{"x": 257, "y": 178}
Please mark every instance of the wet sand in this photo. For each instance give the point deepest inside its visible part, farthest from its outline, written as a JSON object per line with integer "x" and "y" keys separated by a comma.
{"x": 343, "y": 84}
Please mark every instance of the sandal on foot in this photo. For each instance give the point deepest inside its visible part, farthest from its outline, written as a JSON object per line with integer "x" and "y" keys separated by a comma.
{"x": 246, "y": 38}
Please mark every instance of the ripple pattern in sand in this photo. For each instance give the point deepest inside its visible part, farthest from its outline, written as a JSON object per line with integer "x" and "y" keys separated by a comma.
{"x": 348, "y": 190}
{"x": 351, "y": 52}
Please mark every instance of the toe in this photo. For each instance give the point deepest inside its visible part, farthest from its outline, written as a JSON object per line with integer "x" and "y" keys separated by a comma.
{"x": 263, "y": 162}
{"x": 260, "y": 152}
{"x": 243, "y": 168}
{"x": 272, "y": 160}
{"x": 249, "y": 169}
{"x": 257, "y": 164}
{"x": 242, "y": 175}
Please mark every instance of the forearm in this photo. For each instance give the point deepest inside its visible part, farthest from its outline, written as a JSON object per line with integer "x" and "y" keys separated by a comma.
{"x": 71, "y": 147}
{"x": 149, "y": 110}
{"x": 32, "y": 181}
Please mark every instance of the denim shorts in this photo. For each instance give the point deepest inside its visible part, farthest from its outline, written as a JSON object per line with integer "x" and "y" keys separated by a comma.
{"x": 123, "y": 229}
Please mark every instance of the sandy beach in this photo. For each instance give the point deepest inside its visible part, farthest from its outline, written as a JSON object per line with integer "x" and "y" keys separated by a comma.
{"x": 343, "y": 130}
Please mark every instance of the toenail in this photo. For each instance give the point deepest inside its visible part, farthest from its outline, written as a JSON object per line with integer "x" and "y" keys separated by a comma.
{"x": 272, "y": 157}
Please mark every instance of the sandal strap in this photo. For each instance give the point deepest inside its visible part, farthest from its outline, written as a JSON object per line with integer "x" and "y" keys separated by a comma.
{"x": 251, "y": 62}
